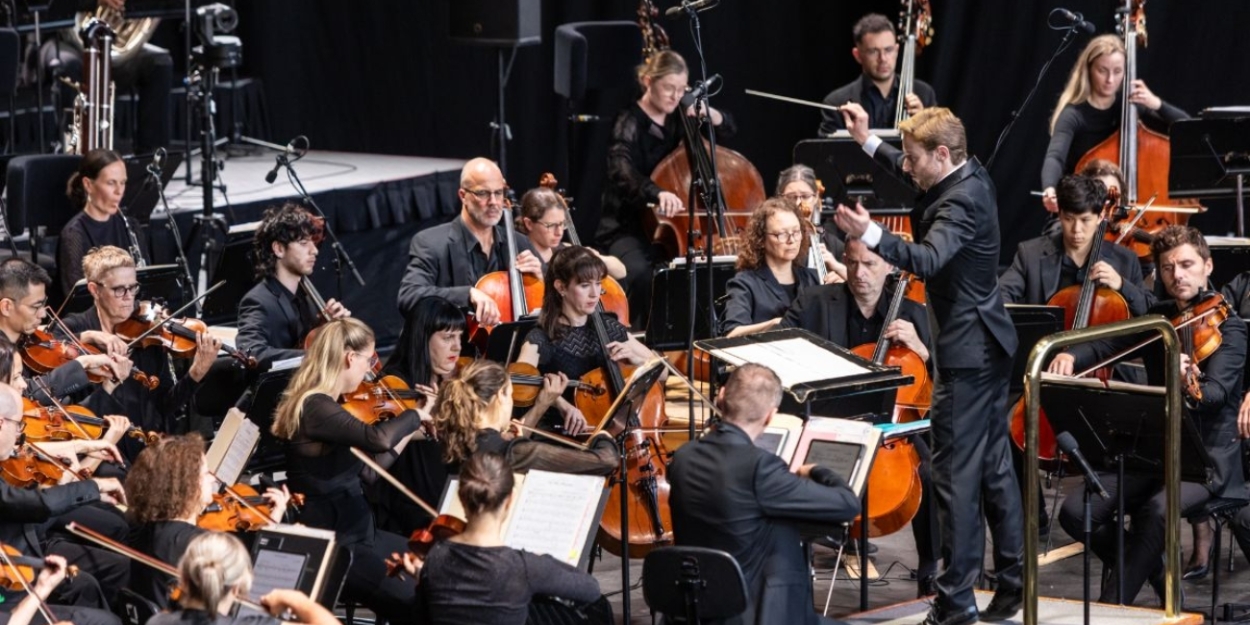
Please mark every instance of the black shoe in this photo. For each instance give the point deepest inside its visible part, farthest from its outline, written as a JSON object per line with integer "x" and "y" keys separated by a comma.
{"x": 1005, "y": 604}
{"x": 926, "y": 586}
{"x": 1196, "y": 572}
{"x": 852, "y": 547}
{"x": 938, "y": 616}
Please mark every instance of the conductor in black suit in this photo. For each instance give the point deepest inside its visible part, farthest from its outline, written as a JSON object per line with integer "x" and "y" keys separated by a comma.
{"x": 730, "y": 495}
{"x": 276, "y": 314}
{"x": 956, "y": 254}
{"x": 448, "y": 259}
{"x": 876, "y": 50}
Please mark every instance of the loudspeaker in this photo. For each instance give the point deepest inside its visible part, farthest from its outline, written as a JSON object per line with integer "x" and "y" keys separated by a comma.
{"x": 497, "y": 23}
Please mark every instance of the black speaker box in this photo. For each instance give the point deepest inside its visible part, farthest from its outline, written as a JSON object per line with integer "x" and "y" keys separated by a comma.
{"x": 498, "y": 23}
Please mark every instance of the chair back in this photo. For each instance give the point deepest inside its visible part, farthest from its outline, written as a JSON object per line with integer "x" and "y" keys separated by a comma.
{"x": 593, "y": 55}
{"x": 694, "y": 582}
{"x": 36, "y": 191}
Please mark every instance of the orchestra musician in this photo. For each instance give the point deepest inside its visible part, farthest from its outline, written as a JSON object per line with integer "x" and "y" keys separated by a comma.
{"x": 1089, "y": 111}
{"x": 728, "y": 494}
{"x": 149, "y": 72}
{"x": 1112, "y": 176}
{"x": 53, "y": 573}
{"x": 564, "y": 345}
{"x": 1184, "y": 263}
{"x": 797, "y": 183}
{"x": 168, "y": 486}
{"x": 26, "y": 512}
{"x": 876, "y": 50}
{"x": 448, "y": 259}
{"x": 542, "y": 220}
{"x": 97, "y": 188}
{"x": 23, "y": 305}
{"x": 643, "y": 134}
{"x": 276, "y": 315}
{"x": 473, "y": 577}
{"x": 853, "y": 313}
{"x": 114, "y": 286}
{"x": 956, "y": 254}
{"x": 772, "y": 269}
{"x": 320, "y": 436}
{"x": 214, "y": 572}
{"x": 474, "y": 412}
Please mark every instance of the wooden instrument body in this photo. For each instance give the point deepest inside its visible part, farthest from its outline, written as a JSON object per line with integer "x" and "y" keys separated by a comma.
{"x": 741, "y": 184}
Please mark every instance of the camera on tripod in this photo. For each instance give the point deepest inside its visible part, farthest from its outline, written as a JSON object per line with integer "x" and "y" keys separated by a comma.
{"x": 217, "y": 50}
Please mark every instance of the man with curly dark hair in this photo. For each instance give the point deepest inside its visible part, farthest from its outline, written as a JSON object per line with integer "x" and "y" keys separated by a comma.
{"x": 276, "y": 315}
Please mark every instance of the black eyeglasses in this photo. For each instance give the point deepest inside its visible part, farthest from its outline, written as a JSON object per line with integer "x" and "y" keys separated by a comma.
{"x": 120, "y": 290}
{"x": 486, "y": 194}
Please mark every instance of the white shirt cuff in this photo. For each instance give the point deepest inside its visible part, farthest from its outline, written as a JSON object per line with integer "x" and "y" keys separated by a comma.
{"x": 871, "y": 145}
{"x": 872, "y": 236}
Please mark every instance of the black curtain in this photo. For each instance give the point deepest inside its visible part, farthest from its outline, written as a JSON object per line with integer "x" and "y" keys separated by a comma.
{"x": 382, "y": 76}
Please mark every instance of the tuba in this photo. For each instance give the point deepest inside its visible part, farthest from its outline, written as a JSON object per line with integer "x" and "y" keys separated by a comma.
{"x": 128, "y": 35}
{"x": 93, "y": 107}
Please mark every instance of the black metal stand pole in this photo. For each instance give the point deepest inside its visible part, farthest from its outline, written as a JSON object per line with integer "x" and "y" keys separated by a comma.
{"x": 1088, "y": 531}
{"x": 341, "y": 257}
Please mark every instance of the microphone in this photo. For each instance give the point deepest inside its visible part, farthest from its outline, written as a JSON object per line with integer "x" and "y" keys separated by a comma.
{"x": 289, "y": 148}
{"x": 1076, "y": 21}
{"x": 706, "y": 86}
{"x": 158, "y": 162}
{"x": 1067, "y": 444}
{"x": 698, "y": 6}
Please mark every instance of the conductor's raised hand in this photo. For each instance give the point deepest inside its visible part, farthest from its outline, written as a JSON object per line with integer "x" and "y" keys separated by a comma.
{"x": 853, "y": 221}
{"x": 856, "y": 120}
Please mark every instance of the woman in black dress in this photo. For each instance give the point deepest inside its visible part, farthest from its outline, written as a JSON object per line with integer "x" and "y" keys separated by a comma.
{"x": 771, "y": 269}
{"x": 97, "y": 187}
{"x": 320, "y": 436}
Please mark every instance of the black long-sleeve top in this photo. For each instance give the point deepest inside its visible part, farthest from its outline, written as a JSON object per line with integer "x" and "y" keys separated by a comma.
{"x": 526, "y": 454}
{"x": 493, "y": 585}
{"x": 1080, "y": 127}
{"x": 80, "y": 234}
{"x": 636, "y": 146}
{"x": 166, "y": 541}
{"x": 319, "y": 456}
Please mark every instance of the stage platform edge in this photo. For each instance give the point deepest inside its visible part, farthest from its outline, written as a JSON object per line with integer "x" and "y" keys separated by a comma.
{"x": 1051, "y": 611}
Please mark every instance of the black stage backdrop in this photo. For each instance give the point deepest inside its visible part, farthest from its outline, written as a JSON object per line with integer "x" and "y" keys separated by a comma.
{"x": 382, "y": 76}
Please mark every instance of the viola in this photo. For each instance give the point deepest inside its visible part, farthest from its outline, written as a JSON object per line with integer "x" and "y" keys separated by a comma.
{"x": 527, "y": 383}
{"x": 42, "y": 353}
{"x": 17, "y": 572}
{"x": 150, "y": 325}
{"x": 382, "y": 399}
{"x": 25, "y": 469}
{"x": 613, "y": 296}
{"x": 63, "y": 423}
{"x": 240, "y": 508}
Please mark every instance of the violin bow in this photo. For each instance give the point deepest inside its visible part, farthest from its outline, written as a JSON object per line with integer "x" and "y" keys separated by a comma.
{"x": 42, "y": 605}
{"x": 564, "y": 440}
{"x": 73, "y": 340}
{"x": 157, "y": 326}
{"x": 47, "y": 391}
{"x": 1145, "y": 342}
{"x": 58, "y": 461}
{"x": 87, "y": 533}
{"x": 369, "y": 462}
{"x": 240, "y": 498}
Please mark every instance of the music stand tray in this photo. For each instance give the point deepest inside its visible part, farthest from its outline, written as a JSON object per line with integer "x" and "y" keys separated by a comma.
{"x": 160, "y": 282}
{"x": 668, "y": 324}
{"x": 850, "y": 174}
{"x": 815, "y": 370}
{"x": 1207, "y": 155}
{"x": 506, "y": 339}
{"x": 1033, "y": 323}
{"x": 1121, "y": 419}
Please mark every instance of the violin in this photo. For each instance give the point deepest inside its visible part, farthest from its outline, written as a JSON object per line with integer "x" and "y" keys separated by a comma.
{"x": 17, "y": 572}
{"x": 527, "y": 383}
{"x": 240, "y": 508}
{"x": 25, "y": 469}
{"x": 150, "y": 325}
{"x": 42, "y": 353}
{"x": 385, "y": 398}
{"x": 63, "y": 423}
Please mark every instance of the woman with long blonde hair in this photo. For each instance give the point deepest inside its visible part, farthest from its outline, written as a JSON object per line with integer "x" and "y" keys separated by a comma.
{"x": 1089, "y": 111}
{"x": 772, "y": 268}
{"x": 320, "y": 435}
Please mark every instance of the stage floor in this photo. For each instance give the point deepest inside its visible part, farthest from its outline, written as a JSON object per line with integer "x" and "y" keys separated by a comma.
{"x": 320, "y": 171}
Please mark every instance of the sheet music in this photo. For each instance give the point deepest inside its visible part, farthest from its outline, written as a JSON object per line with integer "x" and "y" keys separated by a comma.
{"x": 555, "y": 514}
{"x": 288, "y": 363}
{"x": 794, "y": 360}
{"x": 232, "y": 447}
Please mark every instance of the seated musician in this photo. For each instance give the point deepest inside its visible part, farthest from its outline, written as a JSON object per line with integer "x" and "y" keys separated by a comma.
{"x": 772, "y": 269}
{"x": 25, "y": 513}
{"x": 798, "y": 184}
{"x": 214, "y": 572}
{"x": 542, "y": 220}
{"x": 1047, "y": 264}
{"x": 728, "y": 494}
{"x": 447, "y": 260}
{"x": 1184, "y": 264}
{"x": 853, "y": 313}
{"x": 425, "y": 357}
{"x": 23, "y": 305}
{"x": 54, "y": 572}
{"x": 473, "y": 577}
{"x": 643, "y": 134}
{"x": 169, "y": 486}
{"x": 1111, "y": 176}
{"x": 564, "y": 343}
{"x": 474, "y": 412}
{"x": 320, "y": 435}
{"x": 97, "y": 188}
{"x": 276, "y": 314}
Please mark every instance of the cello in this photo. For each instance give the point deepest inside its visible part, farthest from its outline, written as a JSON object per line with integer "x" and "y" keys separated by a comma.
{"x": 1084, "y": 305}
{"x": 515, "y": 293}
{"x": 894, "y": 479}
{"x": 1143, "y": 155}
{"x": 613, "y": 298}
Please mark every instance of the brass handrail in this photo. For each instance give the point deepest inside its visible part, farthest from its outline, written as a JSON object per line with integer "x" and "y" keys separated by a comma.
{"x": 1171, "y": 459}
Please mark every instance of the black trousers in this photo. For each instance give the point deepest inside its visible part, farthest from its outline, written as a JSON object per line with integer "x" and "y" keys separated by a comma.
{"x": 924, "y": 527}
{"x": 1144, "y": 502}
{"x": 971, "y": 464}
{"x": 640, "y": 258}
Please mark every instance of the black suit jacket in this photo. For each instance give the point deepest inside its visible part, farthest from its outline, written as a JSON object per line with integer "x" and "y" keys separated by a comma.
{"x": 730, "y": 495}
{"x": 269, "y": 325}
{"x": 823, "y": 310}
{"x": 956, "y": 254}
{"x": 831, "y": 121}
{"x": 23, "y": 509}
{"x": 1033, "y": 277}
{"x": 1216, "y": 413}
{"x": 439, "y": 264}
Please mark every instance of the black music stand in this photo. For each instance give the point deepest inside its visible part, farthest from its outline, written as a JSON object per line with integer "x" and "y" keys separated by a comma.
{"x": 506, "y": 339}
{"x": 237, "y": 266}
{"x": 1211, "y": 158}
{"x": 849, "y": 174}
{"x": 1033, "y": 323}
{"x": 1120, "y": 428}
{"x": 669, "y": 321}
{"x": 266, "y": 393}
{"x": 141, "y": 199}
